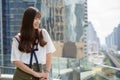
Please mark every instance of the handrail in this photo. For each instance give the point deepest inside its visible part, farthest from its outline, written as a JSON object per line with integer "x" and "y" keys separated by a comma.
{"x": 102, "y": 65}
{"x": 62, "y": 71}
{"x": 5, "y": 67}
{"x": 6, "y": 76}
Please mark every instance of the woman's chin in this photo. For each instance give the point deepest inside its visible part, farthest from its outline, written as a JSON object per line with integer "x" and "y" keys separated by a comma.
{"x": 35, "y": 27}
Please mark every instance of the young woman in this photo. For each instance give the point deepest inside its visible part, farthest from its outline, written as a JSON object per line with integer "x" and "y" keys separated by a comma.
{"x": 32, "y": 48}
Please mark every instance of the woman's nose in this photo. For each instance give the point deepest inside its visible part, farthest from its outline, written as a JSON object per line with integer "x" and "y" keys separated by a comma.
{"x": 38, "y": 20}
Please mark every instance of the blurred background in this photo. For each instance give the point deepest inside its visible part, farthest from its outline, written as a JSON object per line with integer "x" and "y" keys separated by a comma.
{"x": 81, "y": 54}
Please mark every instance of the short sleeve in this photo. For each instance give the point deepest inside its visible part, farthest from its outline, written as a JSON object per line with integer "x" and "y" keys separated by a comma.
{"x": 50, "y": 48}
{"x": 15, "y": 53}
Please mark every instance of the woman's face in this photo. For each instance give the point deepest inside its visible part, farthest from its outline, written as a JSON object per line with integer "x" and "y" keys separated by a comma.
{"x": 36, "y": 22}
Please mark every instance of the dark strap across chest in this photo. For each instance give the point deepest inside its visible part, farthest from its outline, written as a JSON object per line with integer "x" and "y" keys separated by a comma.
{"x": 35, "y": 56}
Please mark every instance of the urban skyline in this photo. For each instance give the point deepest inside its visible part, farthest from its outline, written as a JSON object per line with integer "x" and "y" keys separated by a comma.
{"x": 104, "y": 15}
{"x": 79, "y": 53}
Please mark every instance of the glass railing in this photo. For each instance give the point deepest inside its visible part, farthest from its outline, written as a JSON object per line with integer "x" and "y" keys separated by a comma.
{"x": 74, "y": 69}
{"x": 82, "y": 69}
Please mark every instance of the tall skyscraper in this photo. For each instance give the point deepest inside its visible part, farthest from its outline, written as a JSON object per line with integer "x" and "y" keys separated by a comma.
{"x": 12, "y": 11}
{"x": 75, "y": 19}
{"x": 1, "y": 35}
{"x": 92, "y": 39}
{"x": 112, "y": 40}
{"x": 85, "y": 25}
{"x": 53, "y": 18}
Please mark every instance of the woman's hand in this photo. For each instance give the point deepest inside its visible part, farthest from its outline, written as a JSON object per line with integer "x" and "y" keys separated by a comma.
{"x": 46, "y": 75}
{"x": 41, "y": 76}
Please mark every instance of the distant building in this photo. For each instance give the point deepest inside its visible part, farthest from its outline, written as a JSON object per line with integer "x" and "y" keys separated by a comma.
{"x": 113, "y": 39}
{"x": 53, "y": 18}
{"x": 74, "y": 20}
{"x": 93, "y": 40}
{"x": 1, "y": 35}
{"x": 85, "y": 26}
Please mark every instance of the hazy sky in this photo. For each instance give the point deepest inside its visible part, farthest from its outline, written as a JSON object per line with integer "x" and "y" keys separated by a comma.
{"x": 104, "y": 15}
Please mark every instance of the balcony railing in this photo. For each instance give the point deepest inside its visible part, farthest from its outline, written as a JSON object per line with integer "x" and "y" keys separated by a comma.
{"x": 67, "y": 69}
{"x": 4, "y": 76}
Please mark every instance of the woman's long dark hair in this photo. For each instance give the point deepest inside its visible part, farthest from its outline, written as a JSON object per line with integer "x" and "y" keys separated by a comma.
{"x": 28, "y": 34}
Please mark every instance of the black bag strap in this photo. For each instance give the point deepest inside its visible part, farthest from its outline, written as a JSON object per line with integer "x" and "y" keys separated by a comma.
{"x": 31, "y": 57}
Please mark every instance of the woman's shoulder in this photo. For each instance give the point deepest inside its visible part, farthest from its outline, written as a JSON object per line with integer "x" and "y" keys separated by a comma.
{"x": 44, "y": 31}
{"x": 16, "y": 37}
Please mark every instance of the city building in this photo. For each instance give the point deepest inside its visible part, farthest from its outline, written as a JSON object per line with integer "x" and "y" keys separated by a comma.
{"x": 1, "y": 35}
{"x": 85, "y": 25}
{"x": 12, "y": 12}
{"x": 53, "y": 18}
{"x": 93, "y": 40}
{"x": 112, "y": 40}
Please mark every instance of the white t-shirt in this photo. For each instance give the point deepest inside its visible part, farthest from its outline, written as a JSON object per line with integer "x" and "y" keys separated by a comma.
{"x": 17, "y": 55}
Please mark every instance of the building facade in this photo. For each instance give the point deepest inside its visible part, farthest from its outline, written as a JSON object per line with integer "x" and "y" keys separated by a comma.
{"x": 93, "y": 40}
{"x": 1, "y": 35}
{"x": 12, "y": 12}
{"x": 53, "y": 18}
{"x": 112, "y": 40}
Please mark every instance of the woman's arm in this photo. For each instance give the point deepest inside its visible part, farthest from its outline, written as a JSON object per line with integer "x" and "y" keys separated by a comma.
{"x": 48, "y": 62}
{"x": 26, "y": 69}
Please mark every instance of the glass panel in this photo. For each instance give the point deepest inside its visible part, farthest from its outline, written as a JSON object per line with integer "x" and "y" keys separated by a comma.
{"x": 74, "y": 69}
